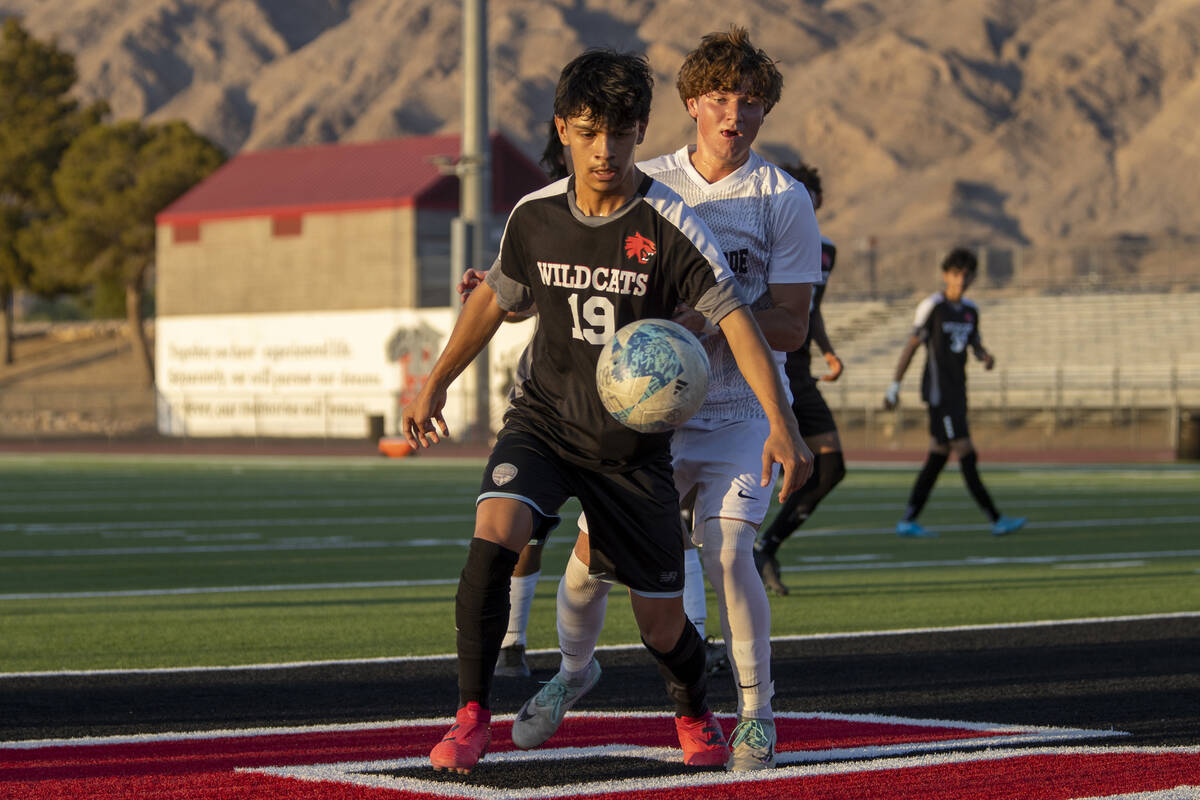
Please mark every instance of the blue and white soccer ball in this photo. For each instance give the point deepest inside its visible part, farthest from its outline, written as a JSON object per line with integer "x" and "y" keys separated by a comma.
{"x": 652, "y": 375}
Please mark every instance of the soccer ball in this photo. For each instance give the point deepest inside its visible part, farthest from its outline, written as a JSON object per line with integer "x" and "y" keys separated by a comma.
{"x": 652, "y": 375}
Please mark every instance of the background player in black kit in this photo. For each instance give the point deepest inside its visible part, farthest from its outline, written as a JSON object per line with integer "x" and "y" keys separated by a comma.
{"x": 947, "y": 324}
{"x": 813, "y": 416}
{"x": 593, "y": 252}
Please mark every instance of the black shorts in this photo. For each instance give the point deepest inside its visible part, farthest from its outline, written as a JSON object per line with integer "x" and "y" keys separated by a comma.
{"x": 948, "y": 422}
{"x": 812, "y": 412}
{"x": 633, "y": 517}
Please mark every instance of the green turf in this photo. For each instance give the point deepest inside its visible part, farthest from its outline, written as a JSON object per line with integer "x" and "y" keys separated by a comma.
{"x": 94, "y": 551}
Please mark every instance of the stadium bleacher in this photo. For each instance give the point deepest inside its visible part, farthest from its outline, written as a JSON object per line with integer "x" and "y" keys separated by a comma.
{"x": 1130, "y": 350}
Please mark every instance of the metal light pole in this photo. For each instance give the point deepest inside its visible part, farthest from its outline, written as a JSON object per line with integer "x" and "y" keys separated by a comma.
{"x": 474, "y": 171}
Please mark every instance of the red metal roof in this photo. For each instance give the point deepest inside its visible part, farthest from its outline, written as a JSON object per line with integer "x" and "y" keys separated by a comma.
{"x": 341, "y": 177}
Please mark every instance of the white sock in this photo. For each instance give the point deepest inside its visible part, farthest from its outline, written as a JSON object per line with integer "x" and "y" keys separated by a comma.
{"x": 728, "y": 554}
{"x": 695, "y": 605}
{"x": 582, "y": 601}
{"x": 521, "y": 592}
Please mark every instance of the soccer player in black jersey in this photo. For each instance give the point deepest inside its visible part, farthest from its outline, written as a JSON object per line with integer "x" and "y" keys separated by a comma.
{"x": 593, "y": 252}
{"x": 947, "y": 323}
{"x": 816, "y": 422}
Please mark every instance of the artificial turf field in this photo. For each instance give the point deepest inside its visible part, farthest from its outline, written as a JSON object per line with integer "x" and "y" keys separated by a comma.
{"x": 115, "y": 572}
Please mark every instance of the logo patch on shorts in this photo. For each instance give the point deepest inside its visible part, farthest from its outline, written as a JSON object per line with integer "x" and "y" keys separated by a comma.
{"x": 503, "y": 473}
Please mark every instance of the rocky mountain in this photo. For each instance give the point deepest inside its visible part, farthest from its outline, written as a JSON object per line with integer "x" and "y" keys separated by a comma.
{"x": 1025, "y": 122}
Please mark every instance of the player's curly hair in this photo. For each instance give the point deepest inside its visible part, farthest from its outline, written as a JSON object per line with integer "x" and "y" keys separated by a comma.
{"x": 728, "y": 61}
{"x": 614, "y": 89}
{"x": 960, "y": 258}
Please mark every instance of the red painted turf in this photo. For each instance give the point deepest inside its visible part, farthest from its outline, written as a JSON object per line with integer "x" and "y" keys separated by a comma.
{"x": 203, "y": 769}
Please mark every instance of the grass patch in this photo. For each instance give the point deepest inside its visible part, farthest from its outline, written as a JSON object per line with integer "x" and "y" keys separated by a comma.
{"x": 118, "y": 562}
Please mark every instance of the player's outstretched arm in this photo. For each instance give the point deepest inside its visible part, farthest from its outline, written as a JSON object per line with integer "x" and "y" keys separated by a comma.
{"x": 892, "y": 398}
{"x": 476, "y": 325}
{"x": 784, "y": 445}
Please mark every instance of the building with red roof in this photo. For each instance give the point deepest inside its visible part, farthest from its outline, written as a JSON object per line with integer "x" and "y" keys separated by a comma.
{"x": 304, "y": 292}
{"x": 359, "y": 225}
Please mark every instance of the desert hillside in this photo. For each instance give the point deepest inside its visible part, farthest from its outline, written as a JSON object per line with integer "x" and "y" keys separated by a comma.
{"x": 1021, "y": 122}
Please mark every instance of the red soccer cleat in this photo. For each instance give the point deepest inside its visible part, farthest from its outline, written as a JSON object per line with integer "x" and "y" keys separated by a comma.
{"x": 466, "y": 741}
{"x": 702, "y": 741}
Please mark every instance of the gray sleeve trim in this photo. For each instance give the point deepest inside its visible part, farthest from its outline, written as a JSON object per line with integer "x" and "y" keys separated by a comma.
{"x": 510, "y": 295}
{"x": 722, "y": 298}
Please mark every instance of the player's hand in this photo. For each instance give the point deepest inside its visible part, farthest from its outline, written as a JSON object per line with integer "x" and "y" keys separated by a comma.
{"x": 891, "y": 398}
{"x": 988, "y": 361}
{"x": 470, "y": 279}
{"x": 690, "y": 318}
{"x": 418, "y": 420}
{"x": 835, "y": 367}
{"x": 787, "y": 449}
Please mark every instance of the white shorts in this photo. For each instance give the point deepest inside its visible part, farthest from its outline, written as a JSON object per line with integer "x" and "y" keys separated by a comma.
{"x": 722, "y": 461}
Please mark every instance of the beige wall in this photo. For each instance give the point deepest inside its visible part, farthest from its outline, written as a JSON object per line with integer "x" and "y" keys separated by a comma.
{"x": 340, "y": 261}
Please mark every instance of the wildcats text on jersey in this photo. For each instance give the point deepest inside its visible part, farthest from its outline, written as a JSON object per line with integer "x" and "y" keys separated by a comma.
{"x": 613, "y": 280}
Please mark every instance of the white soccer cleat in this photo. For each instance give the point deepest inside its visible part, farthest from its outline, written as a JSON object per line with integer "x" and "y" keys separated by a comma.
{"x": 541, "y": 715}
{"x": 752, "y": 745}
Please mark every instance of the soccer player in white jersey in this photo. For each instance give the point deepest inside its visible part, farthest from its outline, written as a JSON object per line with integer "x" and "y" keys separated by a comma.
{"x": 764, "y": 223}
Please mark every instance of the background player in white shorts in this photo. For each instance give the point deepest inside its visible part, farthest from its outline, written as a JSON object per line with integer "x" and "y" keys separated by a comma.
{"x": 764, "y": 223}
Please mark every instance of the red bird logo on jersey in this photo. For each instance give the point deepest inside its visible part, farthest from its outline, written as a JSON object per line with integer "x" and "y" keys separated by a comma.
{"x": 639, "y": 247}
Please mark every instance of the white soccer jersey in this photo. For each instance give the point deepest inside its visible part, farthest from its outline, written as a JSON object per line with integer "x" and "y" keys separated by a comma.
{"x": 764, "y": 223}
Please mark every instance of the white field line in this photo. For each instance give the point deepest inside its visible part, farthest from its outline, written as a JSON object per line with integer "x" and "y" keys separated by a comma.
{"x": 58, "y": 529}
{"x": 1049, "y": 623}
{"x": 991, "y": 561}
{"x": 1046, "y": 731}
{"x": 293, "y": 545}
{"x": 1105, "y": 522}
{"x": 468, "y": 500}
{"x": 174, "y": 528}
{"x": 223, "y": 502}
{"x": 1091, "y": 560}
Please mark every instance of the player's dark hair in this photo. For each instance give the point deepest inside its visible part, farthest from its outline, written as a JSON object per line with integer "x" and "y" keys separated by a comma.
{"x": 728, "y": 62}
{"x": 554, "y": 156}
{"x": 612, "y": 89}
{"x": 807, "y": 175}
{"x": 961, "y": 258}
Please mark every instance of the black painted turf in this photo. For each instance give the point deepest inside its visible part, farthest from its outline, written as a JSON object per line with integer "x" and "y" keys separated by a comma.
{"x": 1141, "y": 676}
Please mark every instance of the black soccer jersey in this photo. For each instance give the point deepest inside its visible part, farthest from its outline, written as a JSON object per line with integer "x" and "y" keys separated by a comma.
{"x": 799, "y": 361}
{"x": 947, "y": 329}
{"x": 588, "y": 277}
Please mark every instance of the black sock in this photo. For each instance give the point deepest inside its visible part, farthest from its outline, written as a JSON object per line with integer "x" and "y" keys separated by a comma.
{"x": 928, "y": 476}
{"x": 828, "y": 471}
{"x": 970, "y": 472}
{"x": 481, "y": 616}
{"x": 683, "y": 670}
